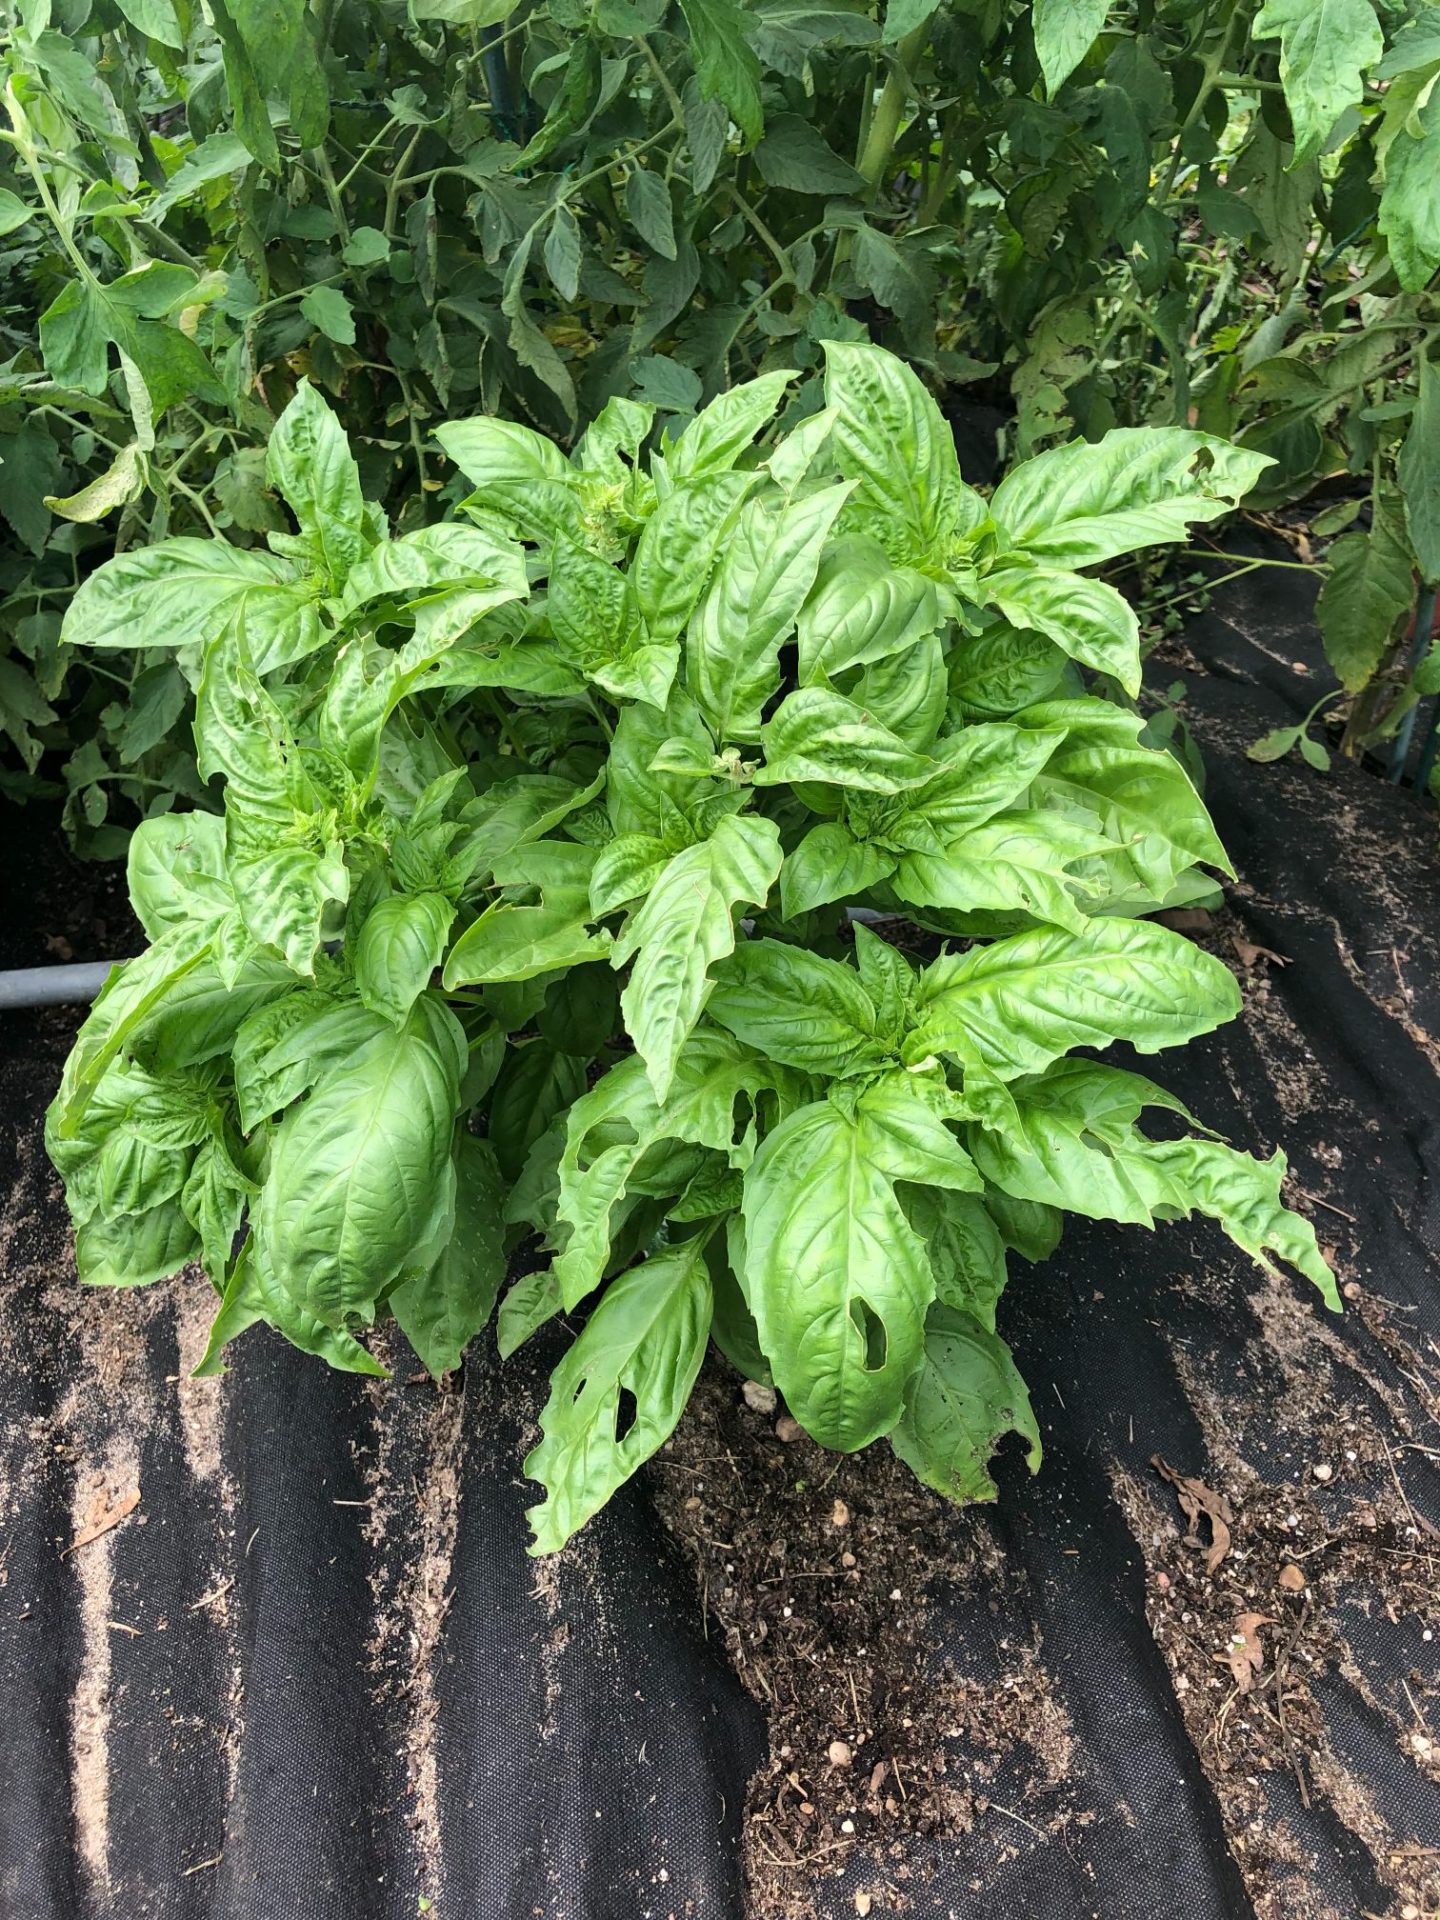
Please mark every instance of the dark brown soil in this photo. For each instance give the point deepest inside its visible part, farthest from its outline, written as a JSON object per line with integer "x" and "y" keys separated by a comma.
{"x": 820, "y": 1570}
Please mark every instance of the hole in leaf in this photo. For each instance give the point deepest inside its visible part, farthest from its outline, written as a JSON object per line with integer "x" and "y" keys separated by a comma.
{"x": 873, "y": 1327}
{"x": 626, "y": 1408}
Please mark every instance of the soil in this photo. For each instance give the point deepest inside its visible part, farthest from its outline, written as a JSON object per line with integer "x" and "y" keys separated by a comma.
{"x": 820, "y": 1571}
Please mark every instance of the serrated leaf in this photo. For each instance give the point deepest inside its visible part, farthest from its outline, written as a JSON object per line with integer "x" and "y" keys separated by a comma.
{"x": 1064, "y": 32}
{"x": 1418, "y": 471}
{"x": 647, "y": 206}
{"x": 1366, "y": 594}
{"x": 1326, "y": 47}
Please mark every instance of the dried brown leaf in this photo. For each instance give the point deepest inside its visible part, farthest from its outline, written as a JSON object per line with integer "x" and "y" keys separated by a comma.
{"x": 1196, "y": 1498}
{"x": 103, "y": 1514}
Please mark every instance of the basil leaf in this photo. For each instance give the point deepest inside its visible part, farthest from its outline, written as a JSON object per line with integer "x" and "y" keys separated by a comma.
{"x": 401, "y": 944}
{"x": 818, "y": 735}
{"x": 794, "y": 1007}
{"x": 308, "y": 461}
{"x": 646, "y": 1339}
{"x": 360, "y": 1172}
{"x": 766, "y": 570}
{"x": 188, "y": 593}
{"x": 441, "y": 1310}
{"x": 891, "y": 439}
{"x": 1075, "y": 506}
{"x": 1022, "y": 1003}
{"x": 685, "y": 925}
{"x": 966, "y": 1397}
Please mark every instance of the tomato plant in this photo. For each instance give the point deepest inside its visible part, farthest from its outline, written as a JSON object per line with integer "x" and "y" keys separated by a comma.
{"x": 1215, "y": 216}
{"x": 527, "y": 914}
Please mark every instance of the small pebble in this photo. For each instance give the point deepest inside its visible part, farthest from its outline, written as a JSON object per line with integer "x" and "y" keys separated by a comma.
{"x": 839, "y": 1514}
{"x": 847, "y": 1826}
{"x": 895, "y": 1594}
{"x": 863, "y": 1904}
{"x": 1162, "y": 1581}
{"x": 788, "y": 1429}
{"x": 758, "y": 1398}
{"x": 1292, "y": 1579}
{"x": 839, "y": 1753}
{"x": 1351, "y": 1289}
{"x": 1322, "y": 1470}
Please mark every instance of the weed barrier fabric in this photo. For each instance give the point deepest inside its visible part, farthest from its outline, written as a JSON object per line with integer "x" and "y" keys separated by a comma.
{"x": 313, "y": 1673}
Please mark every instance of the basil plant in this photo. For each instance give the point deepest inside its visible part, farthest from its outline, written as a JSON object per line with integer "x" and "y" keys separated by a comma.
{"x": 528, "y": 914}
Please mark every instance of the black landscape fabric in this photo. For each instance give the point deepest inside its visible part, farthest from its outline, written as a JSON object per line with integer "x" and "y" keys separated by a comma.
{"x": 311, "y": 1674}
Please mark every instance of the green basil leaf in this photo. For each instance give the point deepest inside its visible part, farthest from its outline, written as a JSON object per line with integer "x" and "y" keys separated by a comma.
{"x": 1078, "y": 1148}
{"x": 441, "y": 1310}
{"x": 136, "y": 1249}
{"x": 891, "y": 439}
{"x": 1014, "y": 864}
{"x": 966, "y": 1251}
{"x": 401, "y": 945}
{"x": 534, "y": 1299}
{"x": 1085, "y": 618}
{"x": 794, "y": 1007}
{"x": 308, "y": 462}
{"x": 1022, "y": 1003}
{"x": 360, "y": 1173}
{"x": 836, "y": 1277}
{"x": 819, "y": 735}
{"x": 1075, "y": 506}
{"x": 718, "y": 435}
{"x": 610, "y": 1129}
{"x": 830, "y": 864}
{"x": 646, "y": 1339}
{"x": 677, "y": 549}
{"x": 188, "y": 593}
{"x": 685, "y": 924}
{"x": 535, "y": 1085}
{"x": 864, "y": 608}
{"x": 966, "y": 1397}
{"x": 766, "y": 570}
{"x": 176, "y": 874}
